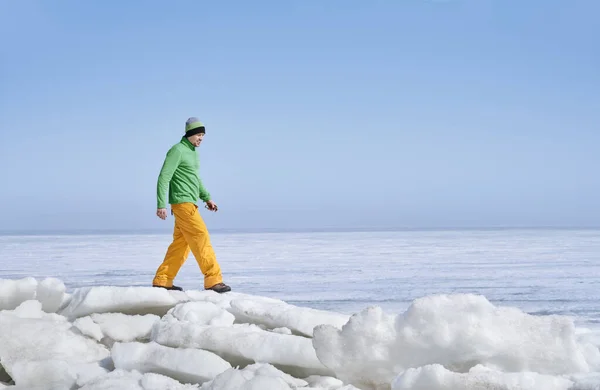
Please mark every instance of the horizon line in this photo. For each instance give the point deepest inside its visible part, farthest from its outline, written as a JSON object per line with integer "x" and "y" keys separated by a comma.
{"x": 140, "y": 231}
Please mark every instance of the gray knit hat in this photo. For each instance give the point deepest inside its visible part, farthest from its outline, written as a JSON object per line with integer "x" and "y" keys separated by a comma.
{"x": 193, "y": 126}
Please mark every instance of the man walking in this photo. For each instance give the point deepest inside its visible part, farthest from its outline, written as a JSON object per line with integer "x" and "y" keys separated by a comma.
{"x": 179, "y": 174}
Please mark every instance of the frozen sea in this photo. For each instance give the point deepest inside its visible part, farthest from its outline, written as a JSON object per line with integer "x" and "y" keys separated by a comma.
{"x": 538, "y": 271}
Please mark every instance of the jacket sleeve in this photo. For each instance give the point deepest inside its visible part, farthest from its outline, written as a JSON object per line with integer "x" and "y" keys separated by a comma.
{"x": 171, "y": 163}
{"x": 204, "y": 195}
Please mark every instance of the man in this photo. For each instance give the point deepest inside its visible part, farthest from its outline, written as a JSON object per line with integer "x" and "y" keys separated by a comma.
{"x": 179, "y": 174}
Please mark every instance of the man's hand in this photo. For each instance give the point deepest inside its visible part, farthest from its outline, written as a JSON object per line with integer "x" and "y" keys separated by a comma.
{"x": 162, "y": 213}
{"x": 212, "y": 206}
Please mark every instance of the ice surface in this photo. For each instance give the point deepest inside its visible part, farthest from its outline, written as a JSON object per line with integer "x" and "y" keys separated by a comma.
{"x": 544, "y": 271}
{"x": 186, "y": 365}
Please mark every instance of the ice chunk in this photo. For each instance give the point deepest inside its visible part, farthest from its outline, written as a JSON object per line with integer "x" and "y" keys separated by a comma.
{"x": 65, "y": 301}
{"x": 362, "y": 352}
{"x": 588, "y": 381}
{"x": 50, "y": 292}
{"x": 27, "y": 334}
{"x": 134, "y": 380}
{"x": 224, "y": 300}
{"x": 30, "y": 309}
{"x": 53, "y": 374}
{"x": 202, "y": 313}
{"x": 436, "y": 377}
{"x": 128, "y": 300}
{"x": 88, "y": 328}
{"x": 110, "y": 327}
{"x": 301, "y": 320}
{"x": 15, "y": 292}
{"x": 456, "y": 331}
{"x": 262, "y": 376}
{"x": 242, "y": 344}
{"x": 254, "y": 377}
{"x": 187, "y": 365}
{"x": 89, "y": 371}
{"x": 282, "y": 330}
{"x": 124, "y": 327}
{"x": 324, "y": 382}
{"x": 269, "y": 312}
{"x": 117, "y": 379}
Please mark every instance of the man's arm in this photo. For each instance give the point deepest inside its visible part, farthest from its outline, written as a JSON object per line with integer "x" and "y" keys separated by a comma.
{"x": 204, "y": 194}
{"x": 166, "y": 173}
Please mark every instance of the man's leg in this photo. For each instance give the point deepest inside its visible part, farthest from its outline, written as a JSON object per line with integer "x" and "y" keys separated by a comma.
{"x": 194, "y": 230}
{"x": 176, "y": 255}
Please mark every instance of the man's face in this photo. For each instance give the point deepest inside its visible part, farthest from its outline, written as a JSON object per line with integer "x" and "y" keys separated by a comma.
{"x": 196, "y": 139}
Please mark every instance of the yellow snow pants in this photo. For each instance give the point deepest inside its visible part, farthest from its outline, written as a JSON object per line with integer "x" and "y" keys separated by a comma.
{"x": 189, "y": 233}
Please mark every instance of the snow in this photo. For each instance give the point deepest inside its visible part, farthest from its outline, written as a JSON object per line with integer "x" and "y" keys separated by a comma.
{"x": 441, "y": 342}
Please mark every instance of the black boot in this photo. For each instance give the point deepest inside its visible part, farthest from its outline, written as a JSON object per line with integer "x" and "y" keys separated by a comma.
{"x": 220, "y": 288}
{"x": 176, "y": 288}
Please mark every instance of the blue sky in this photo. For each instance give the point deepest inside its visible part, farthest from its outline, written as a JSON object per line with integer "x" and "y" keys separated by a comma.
{"x": 322, "y": 114}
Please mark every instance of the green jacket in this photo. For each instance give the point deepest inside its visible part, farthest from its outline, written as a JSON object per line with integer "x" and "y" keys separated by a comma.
{"x": 179, "y": 174}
